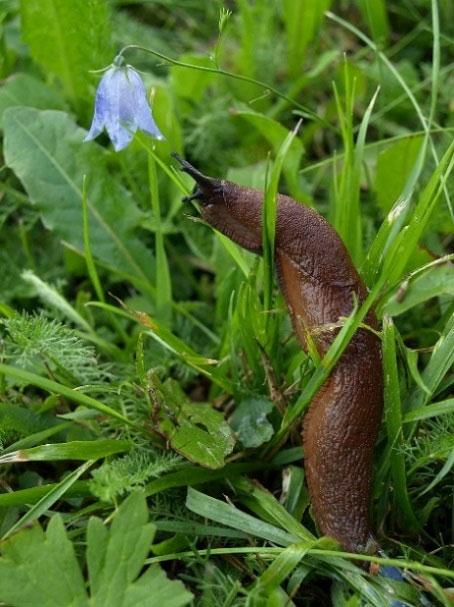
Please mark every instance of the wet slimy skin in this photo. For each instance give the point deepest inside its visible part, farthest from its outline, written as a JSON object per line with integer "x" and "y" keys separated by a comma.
{"x": 319, "y": 282}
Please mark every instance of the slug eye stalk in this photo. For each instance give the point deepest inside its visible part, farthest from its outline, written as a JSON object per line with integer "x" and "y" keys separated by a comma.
{"x": 207, "y": 187}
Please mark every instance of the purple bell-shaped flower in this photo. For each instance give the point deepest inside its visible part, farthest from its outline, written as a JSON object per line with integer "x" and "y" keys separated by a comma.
{"x": 121, "y": 107}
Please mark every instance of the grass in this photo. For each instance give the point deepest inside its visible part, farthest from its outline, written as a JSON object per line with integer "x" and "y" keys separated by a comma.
{"x": 133, "y": 338}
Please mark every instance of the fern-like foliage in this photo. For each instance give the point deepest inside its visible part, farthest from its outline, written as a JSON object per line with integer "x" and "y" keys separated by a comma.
{"x": 44, "y": 346}
{"x": 131, "y": 471}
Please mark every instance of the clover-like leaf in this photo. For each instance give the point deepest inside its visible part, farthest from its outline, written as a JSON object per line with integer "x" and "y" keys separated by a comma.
{"x": 196, "y": 430}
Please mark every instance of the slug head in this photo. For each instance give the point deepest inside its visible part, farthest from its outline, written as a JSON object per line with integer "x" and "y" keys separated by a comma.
{"x": 233, "y": 210}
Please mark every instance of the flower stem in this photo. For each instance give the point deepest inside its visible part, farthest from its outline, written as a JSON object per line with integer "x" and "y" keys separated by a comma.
{"x": 163, "y": 301}
{"x": 308, "y": 113}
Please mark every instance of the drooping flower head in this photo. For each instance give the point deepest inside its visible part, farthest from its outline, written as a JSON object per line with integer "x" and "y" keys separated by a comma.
{"x": 121, "y": 107}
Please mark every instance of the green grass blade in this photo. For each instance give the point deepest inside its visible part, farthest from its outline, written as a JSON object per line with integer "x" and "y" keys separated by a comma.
{"x": 393, "y": 416}
{"x": 440, "y": 363}
{"x": 194, "y": 475}
{"x": 269, "y": 219}
{"x": 75, "y": 450}
{"x": 91, "y": 267}
{"x": 447, "y": 466}
{"x": 174, "y": 344}
{"x": 302, "y": 21}
{"x": 406, "y": 240}
{"x": 280, "y": 569}
{"x": 424, "y": 122}
{"x": 393, "y": 223}
{"x": 54, "y": 299}
{"x": 163, "y": 281}
{"x": 444, "y": 407}
{"x": 49, "y": 499}
{"x": 32, "y": 495}
{"x": 375, "y": 12}
{"x": 227, "y": 514}
{"x": 269, "y": 504}
{"x": 56, "y": 388}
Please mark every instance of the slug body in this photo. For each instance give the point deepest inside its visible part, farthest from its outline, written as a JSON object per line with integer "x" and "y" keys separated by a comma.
{"x": 318, "y": 281}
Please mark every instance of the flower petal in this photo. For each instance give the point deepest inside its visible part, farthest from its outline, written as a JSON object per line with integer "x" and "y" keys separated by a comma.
{"x": 119, "y": 135}
{"x": 142, "y": 114}
{"x": 121, "y": 107}
{"x": 101, "y": 107}
{"x": 145, "y": 121}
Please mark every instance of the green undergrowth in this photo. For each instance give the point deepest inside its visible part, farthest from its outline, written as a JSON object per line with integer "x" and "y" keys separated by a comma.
{"x": 151, "y": 387}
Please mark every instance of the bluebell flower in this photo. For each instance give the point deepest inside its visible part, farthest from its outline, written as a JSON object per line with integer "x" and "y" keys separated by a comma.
{"x": 121, "y": 107}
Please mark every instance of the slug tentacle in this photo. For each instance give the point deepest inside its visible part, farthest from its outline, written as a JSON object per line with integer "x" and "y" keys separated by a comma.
{"x": 319, "y": 284}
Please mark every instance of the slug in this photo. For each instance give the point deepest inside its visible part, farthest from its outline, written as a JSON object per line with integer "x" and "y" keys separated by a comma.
{"x": 319, "y": 281}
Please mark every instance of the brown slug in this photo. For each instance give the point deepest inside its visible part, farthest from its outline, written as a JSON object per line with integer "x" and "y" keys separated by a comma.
{"x": 319, "y": 282}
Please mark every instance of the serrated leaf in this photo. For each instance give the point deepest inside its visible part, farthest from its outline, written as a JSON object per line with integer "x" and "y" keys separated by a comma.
{"x": 250, "y": 422}
{"x": 41, "y": 568}
{"x": 195, "y": 430}
{"x": 45, "y": 150}
{"x": 68, "y": 39}
{"x": 124, "y": 552}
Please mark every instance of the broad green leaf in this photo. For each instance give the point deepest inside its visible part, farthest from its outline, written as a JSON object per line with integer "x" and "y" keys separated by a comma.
{"x": 76, "y": 450}
{"x": 46, "y": 151}
{"x": 406, "y": 240}
{"x": 68, "y": 39}
{"x": 116, "y": 558}
{"x": 23, "y": 89}
{"x": 376, "y": 15}
{"x": 41, "y": 568}
{"x": 250, "y": 422}
{"x": 394, "y": 167}
{"x": 302, "y": 21}
{"x": 275, "y": 134}
{"x": 434, "y": 282}
{"x": 195, "y": 430}
{"x": 191, "y": 84}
